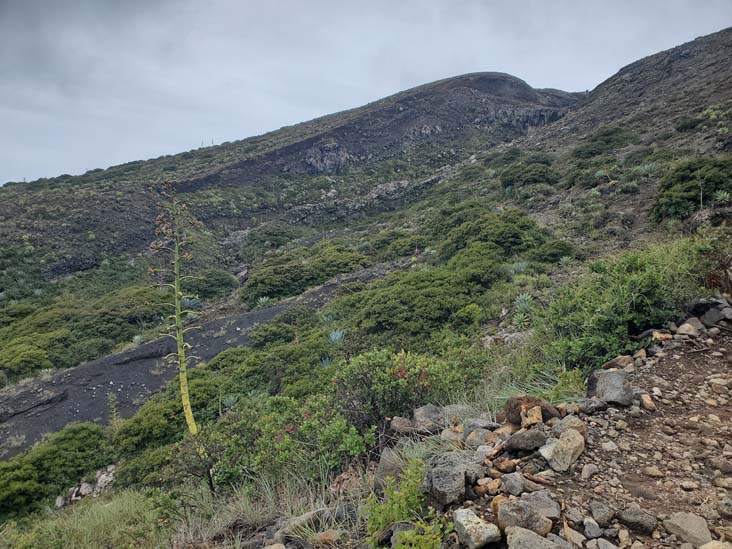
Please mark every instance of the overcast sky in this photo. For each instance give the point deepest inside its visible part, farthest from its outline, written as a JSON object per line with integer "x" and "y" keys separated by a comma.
{"x": 93, "y": 83}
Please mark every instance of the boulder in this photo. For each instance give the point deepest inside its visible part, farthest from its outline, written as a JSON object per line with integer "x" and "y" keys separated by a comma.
{"x": 689, "y": 527}
{"x": 472, "y": 531}
{"x": 566, "y": 450}
{"x": 401, "y": 425}
{"x": 637, "y": 519}
{"x": 529, "y": 440}
{"x": 692, "y": 327}
{"x": 513, "y": 483}
{"x": 429, "y": 419}
{"x": 521, "y": 538}
{"x": 601, "y": 512}
{"x": 610, "y": 386}
{"x": 523, "y": 514}
{"x": 570, "y": 422}
{"x": 473, "y": 423}
{"x": 479, "y": 437}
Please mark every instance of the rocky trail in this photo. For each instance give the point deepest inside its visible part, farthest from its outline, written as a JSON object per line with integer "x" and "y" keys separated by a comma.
{"x": 645, "y": 461}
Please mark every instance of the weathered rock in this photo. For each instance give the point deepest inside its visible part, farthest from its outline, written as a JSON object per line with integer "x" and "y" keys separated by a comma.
{"x": 592, "y": 405}
{"x": 390, "y": 465}
{"x": 717, "y": 545}
{"x": 447, "y": 476}
{"x": 566, "y": 450}
{"x": 396, "y": 531}
{"x": 521, "y": 538}
{"x": 513, "y": 483}
{"x": 402, "y": 425}
{"x": 542, "y": 502}
{"x": 712, "y": 317}
{"x": 692, "y": 327}
{"x": 429, "y": 419}
{"x": 528, "y": 440}
{"x": 725, "y": 507}
{"x": 479, "y": 437}
{"x": 592, "y": 528}
{"x": 473, "y": 423}
{"x": 451, "y": 435}
{"x": 635, "y": 518}
{"x": 522, "y": 513}
{"x": 516, "y": 408}
{"x": 589, "y": 470}
{"x": 474, "y": 532}
{"x": 570, "y": 422}
{"x": 610, "y": 386}
{"x": 601, "y": 512}
{"x": 600, "y": 544}
{"x": 688, "y": 527}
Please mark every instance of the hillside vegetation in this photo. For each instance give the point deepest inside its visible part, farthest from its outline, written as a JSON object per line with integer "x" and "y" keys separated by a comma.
{"x": 523, "y": 238}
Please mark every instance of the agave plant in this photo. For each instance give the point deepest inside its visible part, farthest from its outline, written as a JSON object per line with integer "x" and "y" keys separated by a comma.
{"x": 336, "y": 337}
{"x": 326, "y": 361}
{"x": 229, "y": 400}
{"x": 521, "y": 320}
{"x": 721, "y": 197}
{"x": 518, "y": 268}
{"x": 565, "y": 260}
{"x": 263, "y": 301}
{"x": 524, "y": 303}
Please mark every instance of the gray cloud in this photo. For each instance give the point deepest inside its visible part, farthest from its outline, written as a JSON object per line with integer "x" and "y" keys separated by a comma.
{"x": 91, "y": 83}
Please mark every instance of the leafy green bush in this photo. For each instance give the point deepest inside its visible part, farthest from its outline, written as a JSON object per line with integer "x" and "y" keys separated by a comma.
{"x": 691, "y": 185}
{"x": 211, "y": 284}
{"x": 293, "y": 272}
{"x": 592, "y": 320}
{"x": 402, "y": 500}
{"x": 604, "y": 141}
{"x": 51, "y": 467}
{"x": 522, "y": 175}
{"x": 379, "y": 384}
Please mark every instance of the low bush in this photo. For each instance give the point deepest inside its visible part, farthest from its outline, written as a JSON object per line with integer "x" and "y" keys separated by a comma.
{"x": 606, "y": 140}
{"x": 691, "y": 185}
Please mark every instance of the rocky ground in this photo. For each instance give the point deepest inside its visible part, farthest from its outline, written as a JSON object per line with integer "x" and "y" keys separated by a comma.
{"x": 644, "y": 461}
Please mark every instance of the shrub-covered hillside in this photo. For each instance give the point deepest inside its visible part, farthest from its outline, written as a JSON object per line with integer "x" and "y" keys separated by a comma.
{"x": 455, "y": 244}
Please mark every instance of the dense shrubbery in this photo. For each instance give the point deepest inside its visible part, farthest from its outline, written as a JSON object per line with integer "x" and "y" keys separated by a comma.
{"x": 292, "y": 272}
{"x": 71, "y": 330}
{"x": 522, "y": 175}
{"x": 211, "y": 284}
{"x": 593, "y": 320}
{"x": 604, "y": 141}
{"x": 51, "y": 467}
{"x": 692, "y": 185}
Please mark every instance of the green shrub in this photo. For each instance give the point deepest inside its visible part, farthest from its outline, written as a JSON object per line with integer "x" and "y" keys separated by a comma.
{"x": 211, "y": 284}
{"x": 604, "y": 141}
{"x": 592, "y": 320}
{"x": 691, "y": 185}
{"x": 522, "y": 175}
{"x": 51, "y": 467}
{"x": 402, "y": 500}
{"x": 379, "y": 384}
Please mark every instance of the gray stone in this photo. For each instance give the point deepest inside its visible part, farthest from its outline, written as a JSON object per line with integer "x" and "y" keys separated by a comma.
{"x": 543, "y": 503}
{"x": 592, "y": 528}
{"x": 589, "y": 470}
{"x": 390, "y": 466}
{"x": 689, "y": 527}
{"x": 610, "y": 386}
{"x": 477, "y": 437}
{"x": 570, "y": 422}
{"x": 447, "y": 476}
{"x": 429, "y": 419}
{"x": 601, "y": 512}
{"x": 513, "y": 483}
{"x": 529, "y": 440}
{"x": 692, "y": 327}
{"x": 637, "y": 519}
{"x": 566, "y": 450}
{"x": 711, "y": 317}
{"x": 600, "y": 544}
{"x": 521, "y": 513}
{"x": 725, "y": 507}
{"x": 622, "y": 361}
{"x": 592, "y": 405}
{"x": 473, "y": 423}
{"x": 521, "y": 538}
{"x": 473, "y": 532}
